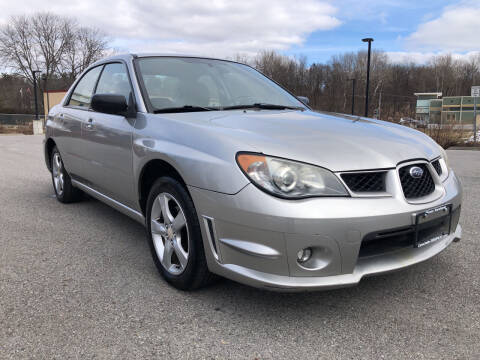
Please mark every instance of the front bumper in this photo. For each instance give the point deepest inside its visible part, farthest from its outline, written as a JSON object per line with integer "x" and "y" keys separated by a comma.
{"x": 253, "y": 238}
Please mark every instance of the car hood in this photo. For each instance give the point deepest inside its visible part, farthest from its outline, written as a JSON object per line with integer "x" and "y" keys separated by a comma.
{"x": 336, "y": 142}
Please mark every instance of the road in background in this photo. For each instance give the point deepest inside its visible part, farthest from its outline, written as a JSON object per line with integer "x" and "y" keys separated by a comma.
{"x": 78, "y": 281}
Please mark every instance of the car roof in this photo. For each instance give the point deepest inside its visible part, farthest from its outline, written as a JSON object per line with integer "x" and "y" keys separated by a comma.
{"x": 127, "y": 57}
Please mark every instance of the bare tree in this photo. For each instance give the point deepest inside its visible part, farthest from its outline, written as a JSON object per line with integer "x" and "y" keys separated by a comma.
{"x": 18, "y": 47}
{"x": 329, "y": 88}
{"x": 49, "y": 35}
{"x": 85, "y": 46}
{"x": 54, "y": 44}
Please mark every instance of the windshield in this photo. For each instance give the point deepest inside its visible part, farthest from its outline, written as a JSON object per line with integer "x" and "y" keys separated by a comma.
{"x": 205, "y": 84}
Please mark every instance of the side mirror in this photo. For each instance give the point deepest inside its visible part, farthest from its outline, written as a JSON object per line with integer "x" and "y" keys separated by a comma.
{"x": 303, "y": 99}
{"x": 109, "y": 104}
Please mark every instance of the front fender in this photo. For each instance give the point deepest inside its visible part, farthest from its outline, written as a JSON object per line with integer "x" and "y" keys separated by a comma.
{"x": 202, "y": 157}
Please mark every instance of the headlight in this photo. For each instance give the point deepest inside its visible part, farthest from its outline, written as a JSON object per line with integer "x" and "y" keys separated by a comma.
{"x": 289, "y": 179}
{"x": 444, "y": 164}
{"x": 444, "y": 156}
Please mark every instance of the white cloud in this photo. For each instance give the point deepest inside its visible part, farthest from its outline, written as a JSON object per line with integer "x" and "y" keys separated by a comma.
{"x": 217, "y": 27}
{"x": 453, "y": 32}
{"x": 456, "y": 30}
{"x": 405, "y": 57}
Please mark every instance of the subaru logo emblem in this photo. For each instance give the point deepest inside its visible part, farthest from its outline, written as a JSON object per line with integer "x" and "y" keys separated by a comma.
{"x": 416, "y": 172}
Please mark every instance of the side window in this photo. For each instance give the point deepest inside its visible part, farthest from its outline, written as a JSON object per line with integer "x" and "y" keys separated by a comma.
{"x": 114, "y": 80}
{"x": 83, "y": 92}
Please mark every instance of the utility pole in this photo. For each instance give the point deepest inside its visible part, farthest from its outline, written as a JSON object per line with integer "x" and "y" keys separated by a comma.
{"x": 380, "y": 106}
{"x": 475, "y": 95}
{"x": 45, "y": 79}
{"x": 34, "y": 73}
{"x": 353, "y": 94}
{"x": 475, "y": 119}
{"x": 369, "y": 40}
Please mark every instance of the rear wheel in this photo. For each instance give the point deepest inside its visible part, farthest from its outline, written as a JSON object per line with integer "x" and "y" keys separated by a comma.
{"x": 175, "y": 237}
{"x": 62, "y": 183}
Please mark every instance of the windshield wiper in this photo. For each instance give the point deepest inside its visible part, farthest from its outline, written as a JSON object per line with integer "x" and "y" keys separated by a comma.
{"x": 263, "y": 106}
{"x": 194, "y": 108}
{"x": 186, "y": 108}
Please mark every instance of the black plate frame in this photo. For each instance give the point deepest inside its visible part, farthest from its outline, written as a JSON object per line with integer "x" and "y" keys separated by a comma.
{"x": 416, "y": 243}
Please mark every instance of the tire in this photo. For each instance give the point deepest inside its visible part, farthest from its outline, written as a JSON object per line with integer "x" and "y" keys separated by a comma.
{"x": 62, "y": 183}
{"x": 177, "y": 249}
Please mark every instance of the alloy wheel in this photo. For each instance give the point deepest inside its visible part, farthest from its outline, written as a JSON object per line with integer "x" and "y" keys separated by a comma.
{"x": 58, "y": 174}
{"x": 170, "y": 236}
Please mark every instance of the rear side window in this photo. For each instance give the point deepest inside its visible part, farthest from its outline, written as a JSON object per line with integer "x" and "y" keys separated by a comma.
{"x": 114, "y": 80}
{"x": 83, "y": 92}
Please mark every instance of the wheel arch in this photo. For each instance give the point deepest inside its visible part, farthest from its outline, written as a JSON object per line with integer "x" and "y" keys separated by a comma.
{"x": 49, "y": 145}
{"x": 150, "y": 172}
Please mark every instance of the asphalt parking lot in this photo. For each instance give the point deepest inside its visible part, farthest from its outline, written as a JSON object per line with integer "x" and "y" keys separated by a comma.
{"x": 77, "y": 281}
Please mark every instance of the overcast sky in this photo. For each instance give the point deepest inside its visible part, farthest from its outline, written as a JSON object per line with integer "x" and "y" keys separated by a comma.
{"x": 408, "y": 29}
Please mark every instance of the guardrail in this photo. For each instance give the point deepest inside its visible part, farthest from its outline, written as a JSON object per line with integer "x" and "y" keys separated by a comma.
{"x": 21, "y": 124}
{"x": 19, "y": 119}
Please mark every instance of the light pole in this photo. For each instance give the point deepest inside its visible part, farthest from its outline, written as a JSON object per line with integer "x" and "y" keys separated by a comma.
{"x": 45, "y": 79}
{"x": 353, "y": 94}
{"x": 34, "y": 73}
{"x": 369, "y": 40}
{"x": 475, "y": 119}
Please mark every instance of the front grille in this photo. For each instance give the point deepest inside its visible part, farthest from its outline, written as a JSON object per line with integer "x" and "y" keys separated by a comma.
{"x": 365, "y": 181}
{"x": 437, "y": 166}
{"x": 416, "y": 187}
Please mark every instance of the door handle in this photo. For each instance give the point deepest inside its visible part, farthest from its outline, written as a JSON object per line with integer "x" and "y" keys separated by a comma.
{"x": 89, "y": 124}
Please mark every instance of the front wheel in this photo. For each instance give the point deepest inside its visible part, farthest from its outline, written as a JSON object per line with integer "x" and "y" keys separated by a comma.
{"x": 175, "y": 237}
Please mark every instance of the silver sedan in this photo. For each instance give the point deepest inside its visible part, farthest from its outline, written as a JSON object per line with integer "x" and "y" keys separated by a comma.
{"x": 233, "y": 175}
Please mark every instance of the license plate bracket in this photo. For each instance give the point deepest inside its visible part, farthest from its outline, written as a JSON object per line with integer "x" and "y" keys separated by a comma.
{"x": 432, "y": 225}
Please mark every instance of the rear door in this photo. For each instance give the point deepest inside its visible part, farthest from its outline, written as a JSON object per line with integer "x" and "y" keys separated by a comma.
{"x": 68, "y": 134}
{"x": 108, "y": 141}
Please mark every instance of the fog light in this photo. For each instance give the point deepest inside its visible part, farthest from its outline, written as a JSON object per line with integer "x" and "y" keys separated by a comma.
{"x": 304, "y": 255}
